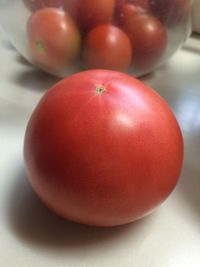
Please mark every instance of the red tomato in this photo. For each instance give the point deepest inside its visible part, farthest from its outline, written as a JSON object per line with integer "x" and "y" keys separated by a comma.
{"x": 107, "y": 47}
{"x": 102, "y": 148}
{"x": 128, "y": 11}
{"x": 54, "y": 40}
{"x": 148, "y": 37}
{"x": 171, "y": 12}
{"x": 130, "y": 6}
{"x": 94, "y": 12}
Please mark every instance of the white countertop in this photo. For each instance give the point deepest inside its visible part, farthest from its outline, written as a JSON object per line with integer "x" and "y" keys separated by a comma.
{"x": 32, "y": 236}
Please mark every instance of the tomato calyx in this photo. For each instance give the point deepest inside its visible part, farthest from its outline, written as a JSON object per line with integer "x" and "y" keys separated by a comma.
{"x": 40, "y": 47}
{"x": 100, "y": 89}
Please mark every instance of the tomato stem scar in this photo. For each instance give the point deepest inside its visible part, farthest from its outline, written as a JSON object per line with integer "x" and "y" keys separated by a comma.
{"x": 40, "y": 46}
{"x": 100, "y": 89}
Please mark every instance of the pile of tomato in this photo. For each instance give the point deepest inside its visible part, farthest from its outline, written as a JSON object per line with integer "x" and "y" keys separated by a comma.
{"x": 105, "y": 34}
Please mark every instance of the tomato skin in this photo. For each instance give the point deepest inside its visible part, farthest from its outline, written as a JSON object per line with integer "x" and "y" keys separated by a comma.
{"x": 54, "y": 40}
{"x": 128, "y": 11}
{"x": 107, "y": 47}
{"x": 93, "y": 13}
{"x": 149, "y": 39}
{"x": 102, "y": 148}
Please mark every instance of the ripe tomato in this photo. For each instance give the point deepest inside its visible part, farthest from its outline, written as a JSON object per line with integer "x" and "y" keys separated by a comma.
{"x": 129, "y": 8}
{"x": 53, "y": 39}
{"x": 170, "y": 12}
{"x": 94, "y": 12}
{"x": 148, "y": 37}
{"x": 107, "y": 47}
{"x": 128, "y": 11}
{"x": 102, "y": 148}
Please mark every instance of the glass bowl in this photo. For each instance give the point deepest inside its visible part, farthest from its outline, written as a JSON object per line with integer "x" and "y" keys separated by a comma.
{"x": 62, "y": 37}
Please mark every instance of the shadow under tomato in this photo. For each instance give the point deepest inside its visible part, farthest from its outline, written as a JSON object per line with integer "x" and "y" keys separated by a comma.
{"x": 190, "y": 183}
{"x": 35, "y": 79}
{"x": 21, "y": 60}
{"x": 33, "y": 223}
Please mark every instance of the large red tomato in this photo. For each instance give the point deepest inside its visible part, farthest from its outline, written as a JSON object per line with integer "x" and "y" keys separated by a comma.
{"x": 94, "y": 12}
{"x": 148, "y": 37}
{"x": 54, "y": 40}
{"x": 107, "y": 47}
{"x": 102, "y": 148}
